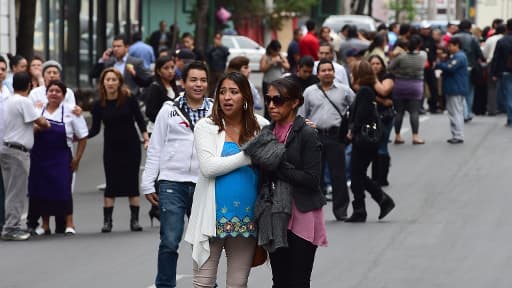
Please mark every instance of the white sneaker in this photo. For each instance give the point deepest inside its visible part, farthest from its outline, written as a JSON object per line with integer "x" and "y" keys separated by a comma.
{"x": 70, "y": 231}
{"x": 39, "y": 231}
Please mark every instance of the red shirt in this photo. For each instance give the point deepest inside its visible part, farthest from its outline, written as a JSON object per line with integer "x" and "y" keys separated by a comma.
{"x": 309, "y": 45}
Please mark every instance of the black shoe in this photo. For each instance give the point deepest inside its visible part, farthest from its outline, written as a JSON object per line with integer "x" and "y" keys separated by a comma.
{"x": 435, "y": 111}
{"x": 386, "y": 205}
{"x": 107, "y": 219}
{"x": 357, "y": 217}
{"x": 422, "y": 111}
{"x": 455, "y": 141}
{"x": 134, "y": 219}
{"x": 466, "y": 120}
{"x": 154, "y": 212}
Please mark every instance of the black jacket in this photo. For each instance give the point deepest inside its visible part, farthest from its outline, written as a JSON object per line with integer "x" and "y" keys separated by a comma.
{"x": 155, "y": 95}
{"x": 302, "y": 167}
{"x": 362, "y": 109}
{"x": 502, "y": 60}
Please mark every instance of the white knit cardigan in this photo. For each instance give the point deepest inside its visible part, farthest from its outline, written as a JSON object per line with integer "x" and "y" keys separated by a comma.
{"x": 209, "y": 144}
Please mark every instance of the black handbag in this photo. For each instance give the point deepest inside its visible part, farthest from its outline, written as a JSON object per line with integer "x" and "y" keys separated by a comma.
{"x": 343, "y": 130}
{"x": 387, "y": 114}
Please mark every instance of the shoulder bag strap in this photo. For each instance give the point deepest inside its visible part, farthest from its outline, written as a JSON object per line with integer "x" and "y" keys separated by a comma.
{"x": 185, "y": 114}
{"x": 332, "y": 103}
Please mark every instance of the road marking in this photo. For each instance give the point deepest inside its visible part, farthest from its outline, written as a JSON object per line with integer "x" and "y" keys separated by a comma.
{"x": 178, "y": 278}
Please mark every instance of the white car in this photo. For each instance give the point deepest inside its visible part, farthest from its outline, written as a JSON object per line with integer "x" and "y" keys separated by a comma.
{"x": 362, "y": 22}
{"x": 243, "y": 46}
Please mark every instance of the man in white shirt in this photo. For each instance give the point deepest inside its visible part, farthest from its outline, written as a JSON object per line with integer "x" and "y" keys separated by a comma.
{"x": 172, "y": 161}
{"x": 20, "y": 117}
{"x": 51, "y": 71}
{"x": 4, "y": 94}
{"x": 326, "y": 52}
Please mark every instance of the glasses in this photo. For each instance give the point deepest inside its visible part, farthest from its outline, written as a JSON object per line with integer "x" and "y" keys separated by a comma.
{"x": 277, "y": 100}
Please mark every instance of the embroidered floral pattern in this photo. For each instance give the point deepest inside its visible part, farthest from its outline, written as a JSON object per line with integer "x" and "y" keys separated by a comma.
{"x": 236, "y": 227}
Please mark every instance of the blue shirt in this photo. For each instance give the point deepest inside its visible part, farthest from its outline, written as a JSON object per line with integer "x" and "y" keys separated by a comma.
{"x": 142, "y": 51}
{"x": 235, "y": 195}
{"x": 455, "y": 74}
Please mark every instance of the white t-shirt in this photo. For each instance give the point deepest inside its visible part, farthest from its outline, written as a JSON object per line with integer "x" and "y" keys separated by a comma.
{"x": 4, "y": 94}
{"x": 74, "y": 125}
{"x": 19, "y": 115}
{"x": 38, "y": 94}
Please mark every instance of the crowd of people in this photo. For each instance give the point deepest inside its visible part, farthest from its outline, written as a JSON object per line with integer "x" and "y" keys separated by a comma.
{"x": 247, "y": 183}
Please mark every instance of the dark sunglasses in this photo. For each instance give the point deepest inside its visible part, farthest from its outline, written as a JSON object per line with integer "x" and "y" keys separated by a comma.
{"x": 277, "y": 100}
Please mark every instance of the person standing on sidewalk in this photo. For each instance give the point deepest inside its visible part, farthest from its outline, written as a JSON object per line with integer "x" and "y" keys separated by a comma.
{"x": 172, "y": 161}
{"x": 455, "y": 86}
{"x": 20, "y": 117}
{"x": 4, "y": 94}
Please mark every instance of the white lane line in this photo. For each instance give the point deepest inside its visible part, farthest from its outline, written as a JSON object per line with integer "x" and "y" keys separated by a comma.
{"x": 178, "y": 278}
{"x": 422, "y": 119}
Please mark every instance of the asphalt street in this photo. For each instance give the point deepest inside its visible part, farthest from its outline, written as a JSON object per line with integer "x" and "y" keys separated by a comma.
{"x": 451, "y": 226}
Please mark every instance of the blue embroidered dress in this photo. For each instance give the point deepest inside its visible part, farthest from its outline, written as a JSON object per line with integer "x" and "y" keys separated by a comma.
{"x": 235, "y": 195}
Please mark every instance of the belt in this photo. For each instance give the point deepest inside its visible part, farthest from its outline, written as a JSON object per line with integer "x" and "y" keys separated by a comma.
{"x": 331, "y": 131}
{"x": 16, "y": 146}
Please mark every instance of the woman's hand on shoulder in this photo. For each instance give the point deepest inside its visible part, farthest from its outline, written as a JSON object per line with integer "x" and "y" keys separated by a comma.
{"x": 310, "y": 123}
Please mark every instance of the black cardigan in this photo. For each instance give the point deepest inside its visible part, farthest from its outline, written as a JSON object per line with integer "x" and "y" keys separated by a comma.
{"x": 302, "y": 167}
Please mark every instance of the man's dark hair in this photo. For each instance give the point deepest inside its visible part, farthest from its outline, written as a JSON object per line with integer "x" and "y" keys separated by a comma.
{"x": 465, "y": 25}
{"x": 345, "y": 27}
{"x": 324, "y": 61}
{"x": 307, "y": 61}
{"x": 310, "y": 24}
{"x": 136, "y": 37}
{"x": 121, "y": 37}
{"x": 496, "y": 22}
{"x": 185, "y": 35}
{"x": 392, "y": 26}
{"x": 500, "y": 29}
{"x": 414, "y": 43}
{"x": 21, "y": 81}
{"x": 2, "y": 59}
{"x": 509, "y": 25}
{"x": 404, "y": 29}
{"x": 352, "y": 32}
{"x": 197, "y": 65}
{"x": 455, "y": 41}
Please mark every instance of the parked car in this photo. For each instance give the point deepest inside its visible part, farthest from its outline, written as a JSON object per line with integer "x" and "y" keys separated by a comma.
{"x": 436, "y": 24}
{"x": 362, "y": 22}
{"x": 243, "y": 46}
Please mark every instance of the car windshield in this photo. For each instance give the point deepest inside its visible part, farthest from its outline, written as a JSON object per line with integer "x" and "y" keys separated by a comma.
{"x": 246, "y": 43}
{"x": 228, "y": 42}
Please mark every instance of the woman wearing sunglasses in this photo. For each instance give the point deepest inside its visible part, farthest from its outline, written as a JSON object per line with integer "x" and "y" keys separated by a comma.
{"x": 222, "y": 210}
{"x": 292, "y": 263}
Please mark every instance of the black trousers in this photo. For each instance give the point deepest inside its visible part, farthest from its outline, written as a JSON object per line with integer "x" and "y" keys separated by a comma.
{"x": 334, "y": 154}
{"x": 361, "y": 158}
{"x": 292, "y": 266}
{"x": 431, "y": 81}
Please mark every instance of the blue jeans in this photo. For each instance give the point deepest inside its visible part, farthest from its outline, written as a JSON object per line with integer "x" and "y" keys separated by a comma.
{"x": 468, "y": 103}
{"x": 384, "y": 139}
{"x": 175, "y": 202}
{"x": 506, "y": 87}
{"x": 501, "y": 102}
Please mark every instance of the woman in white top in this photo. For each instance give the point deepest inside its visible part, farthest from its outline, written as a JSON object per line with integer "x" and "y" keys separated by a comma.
{"x": 223, "y": 206}
{"x": 52, "y": 162}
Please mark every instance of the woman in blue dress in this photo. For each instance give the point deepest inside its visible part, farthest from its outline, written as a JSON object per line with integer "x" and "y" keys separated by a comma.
{"x": 223, "y": 206}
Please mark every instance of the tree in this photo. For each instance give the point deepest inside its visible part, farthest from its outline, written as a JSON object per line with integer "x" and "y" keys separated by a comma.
{"x": 25, "y": 39}
{"x": 201, "y": 21}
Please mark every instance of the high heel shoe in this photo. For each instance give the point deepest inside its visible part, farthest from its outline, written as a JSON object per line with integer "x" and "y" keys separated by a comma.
{"x": 154, "y": 212}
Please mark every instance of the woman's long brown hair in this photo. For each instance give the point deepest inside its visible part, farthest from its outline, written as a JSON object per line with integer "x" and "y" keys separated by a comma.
{"x": 250, "y": 125}
{"x": 122, "y": 91}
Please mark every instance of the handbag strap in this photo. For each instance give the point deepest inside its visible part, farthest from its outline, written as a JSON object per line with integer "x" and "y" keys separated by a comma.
{"x": 330, "y": 101}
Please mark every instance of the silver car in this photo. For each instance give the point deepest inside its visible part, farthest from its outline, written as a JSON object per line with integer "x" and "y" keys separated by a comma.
{"x": 243, "y": 46}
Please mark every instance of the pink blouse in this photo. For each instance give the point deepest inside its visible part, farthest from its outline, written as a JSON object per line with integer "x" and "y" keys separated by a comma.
{"x": 309, "y": 226}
